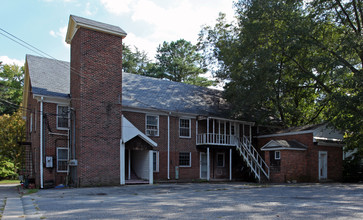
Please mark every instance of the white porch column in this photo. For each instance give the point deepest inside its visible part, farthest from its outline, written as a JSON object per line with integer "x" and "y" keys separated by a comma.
{"x": 230, "y": 164}
{"x": 151, "y": 174}
{"x": 208, "y": 165}
{"x": 122, "y": 163}
{"x": 129, "y": 166}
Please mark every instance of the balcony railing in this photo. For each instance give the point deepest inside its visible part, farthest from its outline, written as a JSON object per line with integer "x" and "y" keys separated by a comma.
{"x": 216, "y": 139}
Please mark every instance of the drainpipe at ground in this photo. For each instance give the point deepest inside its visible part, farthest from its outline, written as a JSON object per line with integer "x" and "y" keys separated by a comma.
{"x": 169, "y": 146}
{"x": 41, "y": 143}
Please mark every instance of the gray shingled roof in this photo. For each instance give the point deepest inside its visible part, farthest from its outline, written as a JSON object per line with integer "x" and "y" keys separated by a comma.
{"x": 96, "y": 24}
{"x": 48, "y": 77}
{"x": 284, "y": 144}
{"x": 52, "y": 78}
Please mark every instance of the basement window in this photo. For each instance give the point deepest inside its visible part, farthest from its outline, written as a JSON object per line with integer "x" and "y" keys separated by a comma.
{"x": 185, "y": 159}
{"x": 62, "y": 159}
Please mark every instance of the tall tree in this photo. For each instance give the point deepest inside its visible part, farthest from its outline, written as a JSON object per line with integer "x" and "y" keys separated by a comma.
{"x": 291, "y": 62}
{"x": 11, "y": 88}
{"x": 346, "y": 110}
{"x": 137, "y": 62}
{"x": 12, "y": 131}
{"x": 180, "y": 61}
{"x": 260, "y": 57}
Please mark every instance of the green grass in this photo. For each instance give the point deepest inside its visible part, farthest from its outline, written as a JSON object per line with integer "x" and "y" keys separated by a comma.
{"x": 31, "y": 191}
{"x": 9, "y": 182}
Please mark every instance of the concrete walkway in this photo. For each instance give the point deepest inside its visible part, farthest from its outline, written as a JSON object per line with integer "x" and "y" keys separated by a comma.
{"x": 13, "y": 204}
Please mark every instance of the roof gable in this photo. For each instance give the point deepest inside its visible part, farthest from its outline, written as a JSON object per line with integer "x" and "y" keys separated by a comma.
{"x": 48, "y": 77}
{"x": 76, "y": 22}
{"x": 284, "y": 145}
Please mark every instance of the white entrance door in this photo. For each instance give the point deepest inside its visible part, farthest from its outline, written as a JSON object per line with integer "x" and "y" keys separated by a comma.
{"x": 203, "y": 165}
{"x": 323, "y": 165}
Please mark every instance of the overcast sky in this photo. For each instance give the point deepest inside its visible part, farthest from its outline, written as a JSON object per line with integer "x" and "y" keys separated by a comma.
{"x": 43, "y": 23}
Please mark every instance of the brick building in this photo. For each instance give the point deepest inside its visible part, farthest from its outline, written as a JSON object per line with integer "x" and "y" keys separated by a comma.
{"x": 304, "y": 154}
{"x": 89, "y": 123}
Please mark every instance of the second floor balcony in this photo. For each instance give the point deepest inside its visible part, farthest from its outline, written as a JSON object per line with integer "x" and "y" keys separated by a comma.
{"x": 216, "y": 139}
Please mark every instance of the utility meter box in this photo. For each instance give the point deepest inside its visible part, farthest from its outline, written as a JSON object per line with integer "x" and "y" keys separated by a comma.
{"x": 73, "y": 163}
{"x": 48, "y": 162}
{"x": 177, "y": 172}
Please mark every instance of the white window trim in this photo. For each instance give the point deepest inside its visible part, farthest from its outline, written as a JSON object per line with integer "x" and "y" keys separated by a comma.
{"x": 31, "y": 123}
{"x": 190, "y": 160}
{"x": 190, "y": 128}
{"x": 157, "y": 162}
{"x": 62, "y": 148}
{"x": 224, "y": 159}
{"x": 277, "y": 157}
{"x": 157, "y": 133}
{"x": 62, "y": 128}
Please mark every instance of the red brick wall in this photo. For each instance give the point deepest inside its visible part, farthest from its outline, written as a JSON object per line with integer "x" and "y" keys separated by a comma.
{"x": 96, "y": 81}
{"x": 177, "y": 145}
{"x": 303, "y": 166}
{"x": 50, "y": 141}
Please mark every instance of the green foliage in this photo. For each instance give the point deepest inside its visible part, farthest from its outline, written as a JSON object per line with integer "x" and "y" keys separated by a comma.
{"x": 291, "y": 62}
{"x": 7, "y": 169}
{"x": 180, "y": 61}
{"x": 11, "y": 85}
{"x": 12, "y": 132}
{"x": 136, "y": 62}
{"x": 353, "y": 169}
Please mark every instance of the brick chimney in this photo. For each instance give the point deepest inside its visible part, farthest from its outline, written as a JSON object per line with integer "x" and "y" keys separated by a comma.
{"x": 96, "y": 92}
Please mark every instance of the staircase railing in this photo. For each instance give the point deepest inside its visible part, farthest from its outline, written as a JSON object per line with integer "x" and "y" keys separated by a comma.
{"x": 252, "y": 158}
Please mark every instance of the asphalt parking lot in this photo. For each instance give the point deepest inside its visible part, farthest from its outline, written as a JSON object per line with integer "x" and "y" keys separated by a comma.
{"x": 199, "y": 201}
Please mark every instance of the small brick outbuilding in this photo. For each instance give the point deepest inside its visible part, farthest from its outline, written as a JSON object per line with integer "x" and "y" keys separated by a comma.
{"x": 303, "y": 154}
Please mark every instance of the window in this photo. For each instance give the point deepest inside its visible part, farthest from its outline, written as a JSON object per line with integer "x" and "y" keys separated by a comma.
{"x": 156, "y": 161}
{"x": 277, "y": 155}
{"x": 152, "y": 125}
{"x": 220, "y": 160}
{"x": 184, "y": 128}
{"x": 62, "y": 117}
{"x": 185, "y": 159}
{"x": 62, "y": 159}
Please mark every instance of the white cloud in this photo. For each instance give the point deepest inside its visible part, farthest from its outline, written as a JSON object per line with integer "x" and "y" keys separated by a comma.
{"x": 89, "y": 9}
{"x": 179, "y": 19}
{"x": 143, "y": 44}
{"x": 7, "y": 60}
{"x": 61, "y": 34}
{"x": 116, "y": 6}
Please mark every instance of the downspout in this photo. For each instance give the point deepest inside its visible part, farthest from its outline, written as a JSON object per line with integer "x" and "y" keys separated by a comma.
{"x": 73, "y": 147}
{"x": 41, "y": 142}
{"x": 169, "y": 146}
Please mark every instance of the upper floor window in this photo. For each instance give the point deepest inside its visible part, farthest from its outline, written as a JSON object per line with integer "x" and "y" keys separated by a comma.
{"x": 184, "y": 128}
{"x": 62, "y": 117}
{"x": 152, "y": 125}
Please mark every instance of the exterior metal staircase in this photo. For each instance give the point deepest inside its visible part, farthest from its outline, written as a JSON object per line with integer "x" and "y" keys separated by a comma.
{"x": 253, "y": 159}
{"x": 243, "y": 145}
